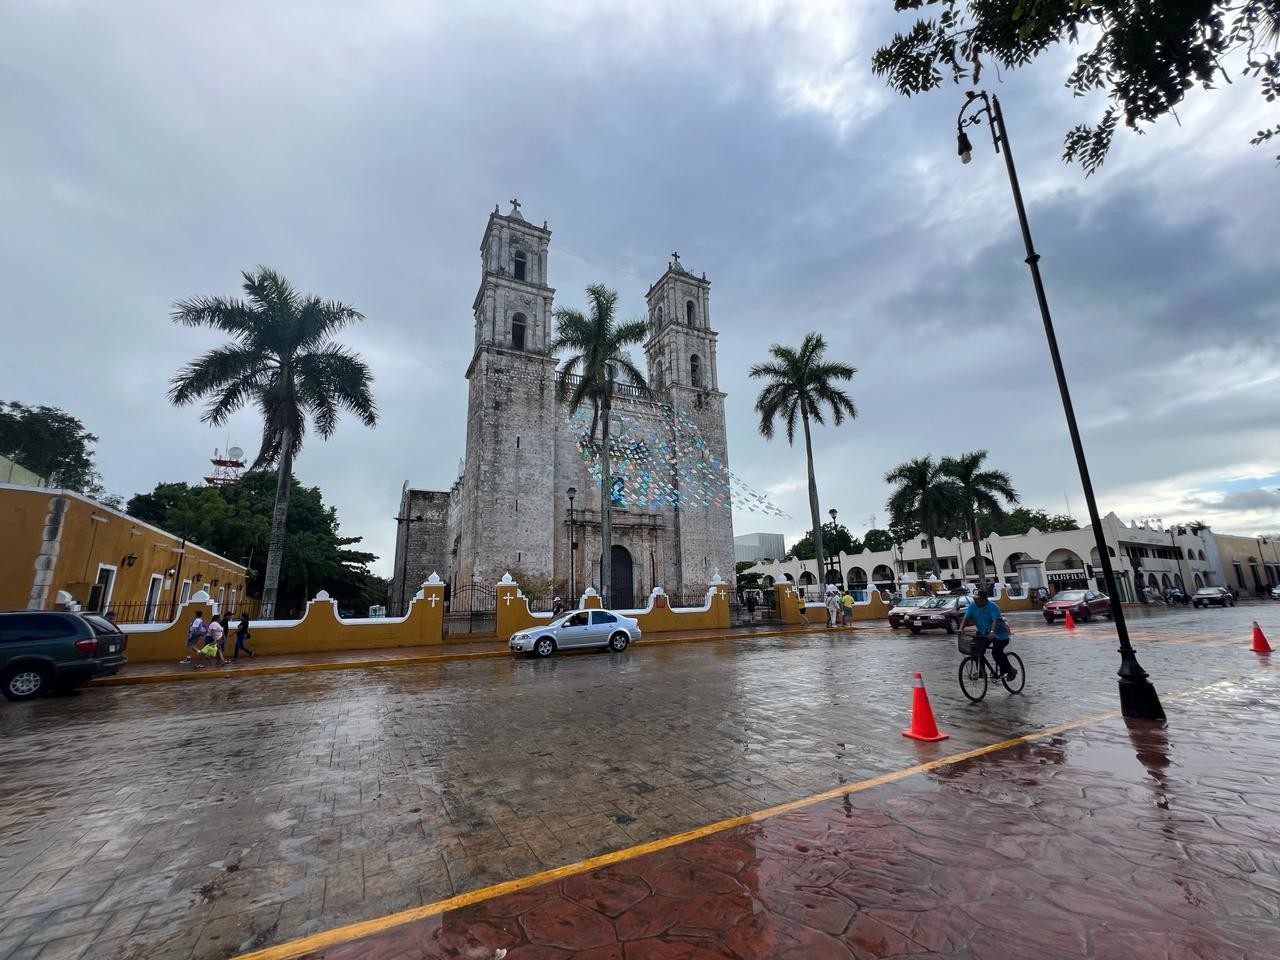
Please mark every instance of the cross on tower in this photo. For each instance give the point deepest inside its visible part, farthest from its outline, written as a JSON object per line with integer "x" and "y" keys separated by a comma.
{"x": 676, "y": 257}
{"x": 515, "y": 206}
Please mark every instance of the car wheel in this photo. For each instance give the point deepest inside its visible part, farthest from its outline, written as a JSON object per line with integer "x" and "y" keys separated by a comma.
{"x": 1086, "y": 615}
{"x": 892, "y": 625}
{"x": 544, "y": 647}
{"x": 951, "y": 626}
{"x": 618, "y": 642}
{"x": 1048, "y": 618}
{"x": 915, "y": 630}
{"x": 1196, "y": 604}
{"x": 27, "y": 681}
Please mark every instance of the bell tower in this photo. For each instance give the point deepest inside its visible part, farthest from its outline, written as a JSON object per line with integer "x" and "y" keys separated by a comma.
{"x": 513, "y": 305}
{"x": 512, "y": 412}
{"x": 681, "y": 349}
{"x": 681, "y": 355}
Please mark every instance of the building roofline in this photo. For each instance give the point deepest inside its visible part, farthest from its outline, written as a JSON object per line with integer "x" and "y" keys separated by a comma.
{"x": 75, "y": 495}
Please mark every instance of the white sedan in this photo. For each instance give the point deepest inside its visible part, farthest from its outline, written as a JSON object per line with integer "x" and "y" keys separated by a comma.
{"x": 578, "y": 628}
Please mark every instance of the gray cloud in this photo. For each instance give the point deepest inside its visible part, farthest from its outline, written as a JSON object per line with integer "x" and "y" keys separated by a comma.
{"x": 154, "y": 152}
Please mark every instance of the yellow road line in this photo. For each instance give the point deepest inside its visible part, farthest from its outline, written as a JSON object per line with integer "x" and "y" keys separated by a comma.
{"x": 328, "y": 938}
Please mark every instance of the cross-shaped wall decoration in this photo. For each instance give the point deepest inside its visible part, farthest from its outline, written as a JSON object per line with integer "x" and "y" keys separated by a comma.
{"x": 433, "y": 601}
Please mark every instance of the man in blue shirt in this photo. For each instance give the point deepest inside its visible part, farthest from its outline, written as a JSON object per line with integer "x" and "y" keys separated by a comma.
{"x": 990, "y": 625}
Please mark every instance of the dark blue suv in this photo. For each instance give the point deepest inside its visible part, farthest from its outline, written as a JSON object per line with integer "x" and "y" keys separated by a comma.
{"x": 41, "y": 650}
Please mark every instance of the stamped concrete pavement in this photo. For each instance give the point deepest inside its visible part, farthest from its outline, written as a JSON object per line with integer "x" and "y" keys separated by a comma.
{"x": 202, "y": 820}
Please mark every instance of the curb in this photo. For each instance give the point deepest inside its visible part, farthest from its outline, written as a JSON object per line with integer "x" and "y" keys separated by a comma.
{"x": 214, "y": 673}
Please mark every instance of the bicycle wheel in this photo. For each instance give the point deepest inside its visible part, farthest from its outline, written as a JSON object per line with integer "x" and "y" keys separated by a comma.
{"x": 1015, "y": 685}
{"x": 973, "y": 679}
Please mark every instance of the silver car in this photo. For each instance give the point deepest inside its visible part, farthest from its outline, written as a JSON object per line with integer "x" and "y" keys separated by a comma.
{"x": 578, "y": 628}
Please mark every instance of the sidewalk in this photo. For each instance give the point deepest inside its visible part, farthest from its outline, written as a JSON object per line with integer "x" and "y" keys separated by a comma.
{"x": 1108, "y": 841}
{"x": 395, "y": 656}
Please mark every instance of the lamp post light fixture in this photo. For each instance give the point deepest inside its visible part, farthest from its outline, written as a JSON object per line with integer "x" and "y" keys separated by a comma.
{"x": 573, "y": 550}
{"x": 1138, "y": 698}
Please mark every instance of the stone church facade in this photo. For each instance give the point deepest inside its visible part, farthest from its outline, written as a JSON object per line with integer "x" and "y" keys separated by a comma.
{"x": 509, "y": 509}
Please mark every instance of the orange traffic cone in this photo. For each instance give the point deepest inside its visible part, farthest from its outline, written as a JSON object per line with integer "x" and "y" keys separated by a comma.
{"x": 923, "y": 726}
{"x": 1070, "y": 621}
{"x": 1260, "y": 644}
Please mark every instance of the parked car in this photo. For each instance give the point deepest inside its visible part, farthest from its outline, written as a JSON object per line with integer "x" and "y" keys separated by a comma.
{"x": 939, "y": 613}
{"x": 1213, "y": 597}
{"x": 577, "y": 628}
{"x": 1083, "y": 604}
{"x": 41, "y": 650}
{"x": 904, "y": 608}
{"x": 1275, "y": 592}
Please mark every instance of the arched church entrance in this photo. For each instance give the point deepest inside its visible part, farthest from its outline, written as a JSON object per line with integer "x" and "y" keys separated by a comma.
{"x": 622, "y": 591}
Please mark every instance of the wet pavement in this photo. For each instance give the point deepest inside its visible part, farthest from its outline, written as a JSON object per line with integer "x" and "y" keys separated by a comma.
{"x": 1115, "y": 840}
{"x": 202, "y": 820}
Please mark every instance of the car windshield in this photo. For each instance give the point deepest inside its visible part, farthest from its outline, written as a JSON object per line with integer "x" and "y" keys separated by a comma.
{"x": 1070, "y": 595}
{"x": 1207, "y": 592}
{"x": 913, "y": 601}
{"x": 936, "y": 602}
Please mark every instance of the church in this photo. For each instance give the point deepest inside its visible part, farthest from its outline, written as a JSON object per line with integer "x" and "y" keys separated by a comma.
{"x": 525, "y": 500}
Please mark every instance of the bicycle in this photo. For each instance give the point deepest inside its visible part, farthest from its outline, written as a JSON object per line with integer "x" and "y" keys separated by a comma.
{"x": 974, "y": 670}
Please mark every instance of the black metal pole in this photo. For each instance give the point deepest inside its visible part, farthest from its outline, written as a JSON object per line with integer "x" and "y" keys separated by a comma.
{"x": 1138, "y": 698}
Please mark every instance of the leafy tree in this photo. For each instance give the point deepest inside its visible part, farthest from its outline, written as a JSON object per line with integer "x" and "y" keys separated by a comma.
{"x": 598, "y": 359}
{"x": 282, "y": 360}
{"x": 1146, "y": 54}
{"x": 977, "y": 488}
{"x": 1021, "y": 519}
{"x": 878, "y": 540}
{"x": 235, "y": 519}
{"x": 51, "y": 442}
{"x": 836, "y": 539}
{"x": 924, "y": 499}
{"x": 800, "y": 386}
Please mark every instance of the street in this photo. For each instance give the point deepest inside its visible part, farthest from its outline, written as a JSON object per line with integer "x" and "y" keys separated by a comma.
{"x": 200, "y": 820}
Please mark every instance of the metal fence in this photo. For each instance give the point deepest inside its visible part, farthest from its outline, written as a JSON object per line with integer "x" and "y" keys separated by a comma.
{"x": 164, "y": 611}
{"x": 471, "y": 608}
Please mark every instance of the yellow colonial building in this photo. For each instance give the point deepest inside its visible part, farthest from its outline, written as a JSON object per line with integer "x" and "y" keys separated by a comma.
{"x": 58, "y": 547}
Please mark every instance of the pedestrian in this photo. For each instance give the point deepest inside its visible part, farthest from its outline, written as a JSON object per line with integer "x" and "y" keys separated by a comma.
{"x": 846, "y": 602}
{"x": 110, "y": 617}
{"x": 226, "y": 632}
{"x": 217, "y": 634}
{"x": 557, "y": 607}
{"x": 196, "y": 633}
{"x": 833, "y": 608}
{"x": 751, "y": 606}
{"x": 242, "y": 635}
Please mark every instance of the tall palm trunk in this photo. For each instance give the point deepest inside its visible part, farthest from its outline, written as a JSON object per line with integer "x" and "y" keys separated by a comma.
{"x": 979, "y": 558}
{"x": 275, "y": 552}
{"x": 933, "y": 554}
{"x": 606, "y": 505}
{"x": 813, "y": 506}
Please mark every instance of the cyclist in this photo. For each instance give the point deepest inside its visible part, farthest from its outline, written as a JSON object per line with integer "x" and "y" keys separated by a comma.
{"x": 987, "y": 619}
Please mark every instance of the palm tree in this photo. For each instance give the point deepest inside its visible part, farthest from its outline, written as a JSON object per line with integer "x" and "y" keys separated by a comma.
{"x": 924, "y": 497}
{"x": 599, "y": 360}
{"x": 801, "y": 385}
{"x": 978, "y": 489}
{"x": 282, "y": 360}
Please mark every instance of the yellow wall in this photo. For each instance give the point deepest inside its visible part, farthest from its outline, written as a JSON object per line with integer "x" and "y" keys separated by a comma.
{"x": 513, "y": 613}
{"x": 319, "y": 631}
{"x": 1233, "y": 550}
{"x": 93, "y": 535}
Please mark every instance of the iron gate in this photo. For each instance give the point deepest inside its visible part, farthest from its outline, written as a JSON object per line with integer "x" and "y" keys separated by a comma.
{"x": 471, "y": 608}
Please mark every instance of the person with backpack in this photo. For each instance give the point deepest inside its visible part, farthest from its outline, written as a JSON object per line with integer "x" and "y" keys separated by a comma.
{"x": 195, "y": 636}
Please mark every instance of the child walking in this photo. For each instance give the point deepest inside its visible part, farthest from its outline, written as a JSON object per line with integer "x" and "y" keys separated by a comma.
{"x": 242, "y": 635}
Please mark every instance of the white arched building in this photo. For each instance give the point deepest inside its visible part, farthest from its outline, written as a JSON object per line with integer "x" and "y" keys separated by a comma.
{"x": 1160, "y": 557}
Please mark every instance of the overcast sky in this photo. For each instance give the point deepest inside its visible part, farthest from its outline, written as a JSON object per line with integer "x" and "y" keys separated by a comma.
{"x": 153, "y": 150}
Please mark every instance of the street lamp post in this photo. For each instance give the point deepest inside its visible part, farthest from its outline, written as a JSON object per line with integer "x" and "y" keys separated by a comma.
{"x": 1138, "y": 698}
{"x": 573, "y": 551}
{"x": 404, "y": 558}
{"x": 833, "y": 556}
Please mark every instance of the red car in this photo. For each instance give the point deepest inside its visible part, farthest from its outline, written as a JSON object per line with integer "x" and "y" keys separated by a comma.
{"x": 940, "y": 613}
{"x": 1083, "y": 604}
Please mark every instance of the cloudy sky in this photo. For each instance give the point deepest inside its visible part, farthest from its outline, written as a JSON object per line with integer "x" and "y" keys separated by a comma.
{"x": 152, "y": 150}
